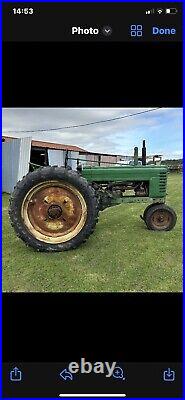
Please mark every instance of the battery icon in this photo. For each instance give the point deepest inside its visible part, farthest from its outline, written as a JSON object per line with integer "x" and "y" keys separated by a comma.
{"x": 171, "y": 10}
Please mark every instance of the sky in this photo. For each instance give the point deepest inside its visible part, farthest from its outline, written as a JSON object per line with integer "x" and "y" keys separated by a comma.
{"x": 162, "y": 129}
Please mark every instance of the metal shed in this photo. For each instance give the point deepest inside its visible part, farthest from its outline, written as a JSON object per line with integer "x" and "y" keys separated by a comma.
{"x": 16, "y": 157}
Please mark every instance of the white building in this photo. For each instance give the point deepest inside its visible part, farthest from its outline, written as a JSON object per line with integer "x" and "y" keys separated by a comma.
{"x": 20, "y": 155}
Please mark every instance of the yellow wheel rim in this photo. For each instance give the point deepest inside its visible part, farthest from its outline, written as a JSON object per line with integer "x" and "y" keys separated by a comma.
{"x": 54, "y": 211}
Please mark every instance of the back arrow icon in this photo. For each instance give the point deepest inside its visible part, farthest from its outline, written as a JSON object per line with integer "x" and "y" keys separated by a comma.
{"x": 65, "y": 374}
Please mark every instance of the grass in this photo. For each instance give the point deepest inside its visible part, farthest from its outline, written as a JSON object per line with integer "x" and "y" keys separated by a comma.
{"x": 121, "y": 255}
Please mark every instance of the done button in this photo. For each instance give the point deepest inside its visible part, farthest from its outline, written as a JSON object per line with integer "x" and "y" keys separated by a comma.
{"x": 163, "y": 31}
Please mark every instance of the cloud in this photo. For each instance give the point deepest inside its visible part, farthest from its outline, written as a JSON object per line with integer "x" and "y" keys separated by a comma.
{"x": 162, "y": 128}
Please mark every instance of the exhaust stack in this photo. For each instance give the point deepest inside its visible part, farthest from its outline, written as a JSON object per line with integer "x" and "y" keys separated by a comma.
{"x": 144, "y": 153}
{"x": 135, "y": 155}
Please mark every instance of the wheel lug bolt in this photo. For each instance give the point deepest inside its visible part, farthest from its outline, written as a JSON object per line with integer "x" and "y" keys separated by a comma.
{"x": 32, "y": 201}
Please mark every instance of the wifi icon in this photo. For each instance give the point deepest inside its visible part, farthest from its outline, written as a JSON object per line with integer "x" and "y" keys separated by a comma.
{"x": 159, "y": 11}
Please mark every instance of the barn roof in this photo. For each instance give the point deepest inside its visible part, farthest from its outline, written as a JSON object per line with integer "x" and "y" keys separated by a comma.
{"x": 56, "y": 146}
{"x": 50, "y": 145}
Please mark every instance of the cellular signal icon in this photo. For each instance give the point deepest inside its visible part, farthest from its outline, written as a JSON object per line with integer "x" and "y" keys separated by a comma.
{"x": 152, "y": 11}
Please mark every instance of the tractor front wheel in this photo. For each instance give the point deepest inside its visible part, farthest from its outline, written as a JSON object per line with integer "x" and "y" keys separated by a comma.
{"x": 160, "y": 217}
{"x": 53, "y": 209}
{"x": 146, "y": 210}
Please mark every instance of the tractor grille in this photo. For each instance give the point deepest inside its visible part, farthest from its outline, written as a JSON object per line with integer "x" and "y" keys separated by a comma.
{"x": 162, "y": 182}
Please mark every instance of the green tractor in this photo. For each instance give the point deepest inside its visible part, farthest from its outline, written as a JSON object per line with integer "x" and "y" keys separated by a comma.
{"x": 56, "y": 208}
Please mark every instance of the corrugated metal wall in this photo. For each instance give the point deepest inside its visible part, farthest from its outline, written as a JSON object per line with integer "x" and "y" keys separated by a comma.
{"x": 74, "y": 155}
{"x": 16, "y": 158}
{"x": 100, "y": 159}
{"x": 82, "y": 159}
{"x": 24, "y": 157}
{"x": 92, "y": 160}
{"x": 56, "y": 157}
{"x": 108, "y": 160}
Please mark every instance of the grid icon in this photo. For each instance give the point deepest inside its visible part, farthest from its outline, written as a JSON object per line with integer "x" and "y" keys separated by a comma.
{"x": 136, "y": 30}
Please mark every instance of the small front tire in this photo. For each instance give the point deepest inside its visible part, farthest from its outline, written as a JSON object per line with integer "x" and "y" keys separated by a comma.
{"x": 160, "y": 217}
{"x": 148, "y": 208}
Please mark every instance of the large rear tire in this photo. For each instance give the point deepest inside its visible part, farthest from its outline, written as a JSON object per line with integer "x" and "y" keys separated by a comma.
{"x": 53, "y": 209}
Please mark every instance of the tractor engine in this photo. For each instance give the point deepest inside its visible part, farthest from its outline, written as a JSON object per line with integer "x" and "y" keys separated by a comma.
{"x": 107, "y": 192}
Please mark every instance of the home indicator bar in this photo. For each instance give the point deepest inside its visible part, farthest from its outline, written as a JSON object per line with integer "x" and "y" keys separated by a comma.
{"x": 93, "y": 395}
